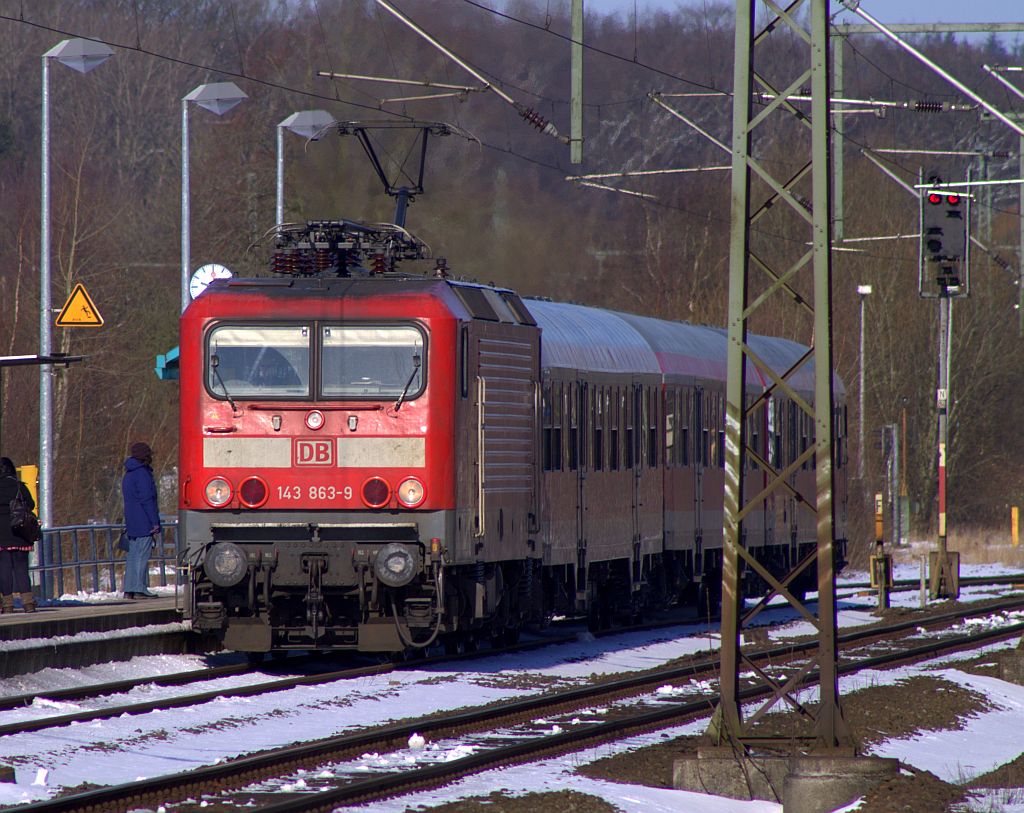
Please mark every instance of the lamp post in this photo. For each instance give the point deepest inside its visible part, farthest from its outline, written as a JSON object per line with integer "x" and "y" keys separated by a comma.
{"x": 219, "y": 98}
{"x": 307, "y": 123}
{"x": 80, "y": 55}
{"x": 863, "y": 291}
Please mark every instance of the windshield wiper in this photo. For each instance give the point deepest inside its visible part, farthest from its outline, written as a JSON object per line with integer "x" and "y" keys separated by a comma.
{"x": 215, "y": 365}
{"x": 416, "y": 361}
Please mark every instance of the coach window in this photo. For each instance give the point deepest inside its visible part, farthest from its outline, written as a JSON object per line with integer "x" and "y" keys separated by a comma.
{"x": 774, "y": 447}
{"x": 700, "y": 437}
{"x": 553, "y": 426}
{"x": 670, "y": 429}
{"x": 555, "y": 441}
{"x": 574, "y": 440}
{"x": 652, "y": 428}
{"x": 547, "y": 418}
{"x": 792, "y": 432}
{"x": 804, "y": 438}
{"x": 755, "y": 437}
{"x": 614, "y": 419}
{"x": 249, "y": 361}
{"x": 597, "y": 416}
{"x": 384, "y": 361}
{"x": 840, "y": 437}
{"x": 564, "y": 411}
{"x": 685, "y": 399}
{"x": 711, "y": 452}
{"x": 630, "y": 418}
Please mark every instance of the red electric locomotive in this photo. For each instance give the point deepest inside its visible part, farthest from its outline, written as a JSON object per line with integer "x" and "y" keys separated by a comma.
{"x": 380, "y": 461}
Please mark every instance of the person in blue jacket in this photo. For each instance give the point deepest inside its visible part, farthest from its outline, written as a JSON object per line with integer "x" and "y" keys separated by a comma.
{"x": 141, "y": 519}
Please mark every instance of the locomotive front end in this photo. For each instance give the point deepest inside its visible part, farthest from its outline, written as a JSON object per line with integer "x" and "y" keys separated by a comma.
{"x": 316, "y": 482}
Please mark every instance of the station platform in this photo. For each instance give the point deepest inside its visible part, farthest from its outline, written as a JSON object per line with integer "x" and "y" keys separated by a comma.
{"x": 74, "y": 634}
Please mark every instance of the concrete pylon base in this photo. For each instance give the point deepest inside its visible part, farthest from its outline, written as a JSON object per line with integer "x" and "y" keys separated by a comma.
{"x": 734, "y": 774}
{"x": 6, "y": 774}
{"x": 819, "y": 784}
{"x": 1011, "y": 666}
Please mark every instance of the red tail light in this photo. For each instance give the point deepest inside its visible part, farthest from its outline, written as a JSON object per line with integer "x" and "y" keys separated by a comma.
{"x": 376, "y": 492}
{"x": 253, "y": 492}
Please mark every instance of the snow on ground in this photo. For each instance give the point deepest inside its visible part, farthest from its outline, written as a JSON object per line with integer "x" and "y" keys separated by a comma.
{"x": 128, "y": 748}
{"x": 987, "y": 740}
{"x": 104, "y": 596}
{"x": 127, "y": 632}
{"x": 559, "y": 774}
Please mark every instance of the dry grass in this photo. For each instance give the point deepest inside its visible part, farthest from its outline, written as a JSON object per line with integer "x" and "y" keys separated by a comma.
{"x": 977, "y": 546}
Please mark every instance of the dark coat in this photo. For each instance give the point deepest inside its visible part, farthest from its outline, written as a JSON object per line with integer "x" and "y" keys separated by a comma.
{"x": 8, "y": 491}
{"x": 141, "y": 514}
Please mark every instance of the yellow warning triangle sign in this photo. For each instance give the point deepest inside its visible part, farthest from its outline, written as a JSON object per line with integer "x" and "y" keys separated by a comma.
{"x": 79, "y": 310}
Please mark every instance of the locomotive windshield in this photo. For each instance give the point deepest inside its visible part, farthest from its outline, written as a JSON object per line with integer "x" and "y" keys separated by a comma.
{"x": 258, "y": 361}
{"x": 375, "y": 362}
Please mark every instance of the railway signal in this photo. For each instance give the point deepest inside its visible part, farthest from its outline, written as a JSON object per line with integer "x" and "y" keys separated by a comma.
{"x": 944, "y": 216}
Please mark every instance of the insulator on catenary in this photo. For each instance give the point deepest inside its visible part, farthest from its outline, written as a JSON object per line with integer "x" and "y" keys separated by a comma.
{"x": 929, "y": 107}
{"x": 531, "y": 116}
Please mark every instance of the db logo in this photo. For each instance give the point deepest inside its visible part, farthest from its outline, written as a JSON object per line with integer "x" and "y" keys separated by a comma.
{"x": 314, "y": 453}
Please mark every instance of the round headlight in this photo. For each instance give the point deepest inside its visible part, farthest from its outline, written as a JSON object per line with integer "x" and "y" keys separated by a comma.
{"x": 376, "y": 492}
{"x": 225, "y": 564}
{"x": 315, "y": 419}
{"x": 395, "y": 565}
{"x": 411, "y": 492}
{"x": 218, "y": 492}
{"x": 252, "y": 492}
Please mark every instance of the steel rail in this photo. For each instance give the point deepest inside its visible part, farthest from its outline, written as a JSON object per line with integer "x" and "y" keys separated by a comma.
{"x": 233, "y": 773}
{"x": 433, "y": 775}
{"x": 267, "y": 687}
{"x": 15, "y": 701}
{"x": 282, "y": 684}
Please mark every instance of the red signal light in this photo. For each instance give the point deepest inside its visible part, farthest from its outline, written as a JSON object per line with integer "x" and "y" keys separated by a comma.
{"x": 934, "y": 198}
{"x": 953, "y": 200}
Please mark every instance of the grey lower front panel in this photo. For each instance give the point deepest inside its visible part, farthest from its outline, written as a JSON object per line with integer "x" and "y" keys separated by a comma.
{"x": 313, "y": 580}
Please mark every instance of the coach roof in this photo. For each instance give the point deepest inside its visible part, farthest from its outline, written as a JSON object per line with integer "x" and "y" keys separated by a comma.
{"x": 576, "y": 337}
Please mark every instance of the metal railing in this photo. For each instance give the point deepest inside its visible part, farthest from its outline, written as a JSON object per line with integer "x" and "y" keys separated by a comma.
{"x": 73, "y": 559}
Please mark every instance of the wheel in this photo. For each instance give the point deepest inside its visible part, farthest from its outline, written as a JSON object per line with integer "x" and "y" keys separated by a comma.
{"x": 455, "y": 644}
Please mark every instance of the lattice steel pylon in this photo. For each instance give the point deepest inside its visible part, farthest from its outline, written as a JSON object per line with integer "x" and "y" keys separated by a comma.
{"x": 761, "y": 184}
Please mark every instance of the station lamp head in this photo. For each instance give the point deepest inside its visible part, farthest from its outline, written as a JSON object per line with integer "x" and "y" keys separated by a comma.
{"x": 79, "y": 54}
{"x": 309, "y": 124}
{"x": 863, "y": 290}
{"x": 217, "y": 97}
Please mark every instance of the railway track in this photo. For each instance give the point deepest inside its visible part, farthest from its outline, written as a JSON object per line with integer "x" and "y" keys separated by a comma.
{"x": 251, "y": 690}
{"x": 95, "y": 690}
{"x": 280, "y": 684}
{"x": 239, "y": 773}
